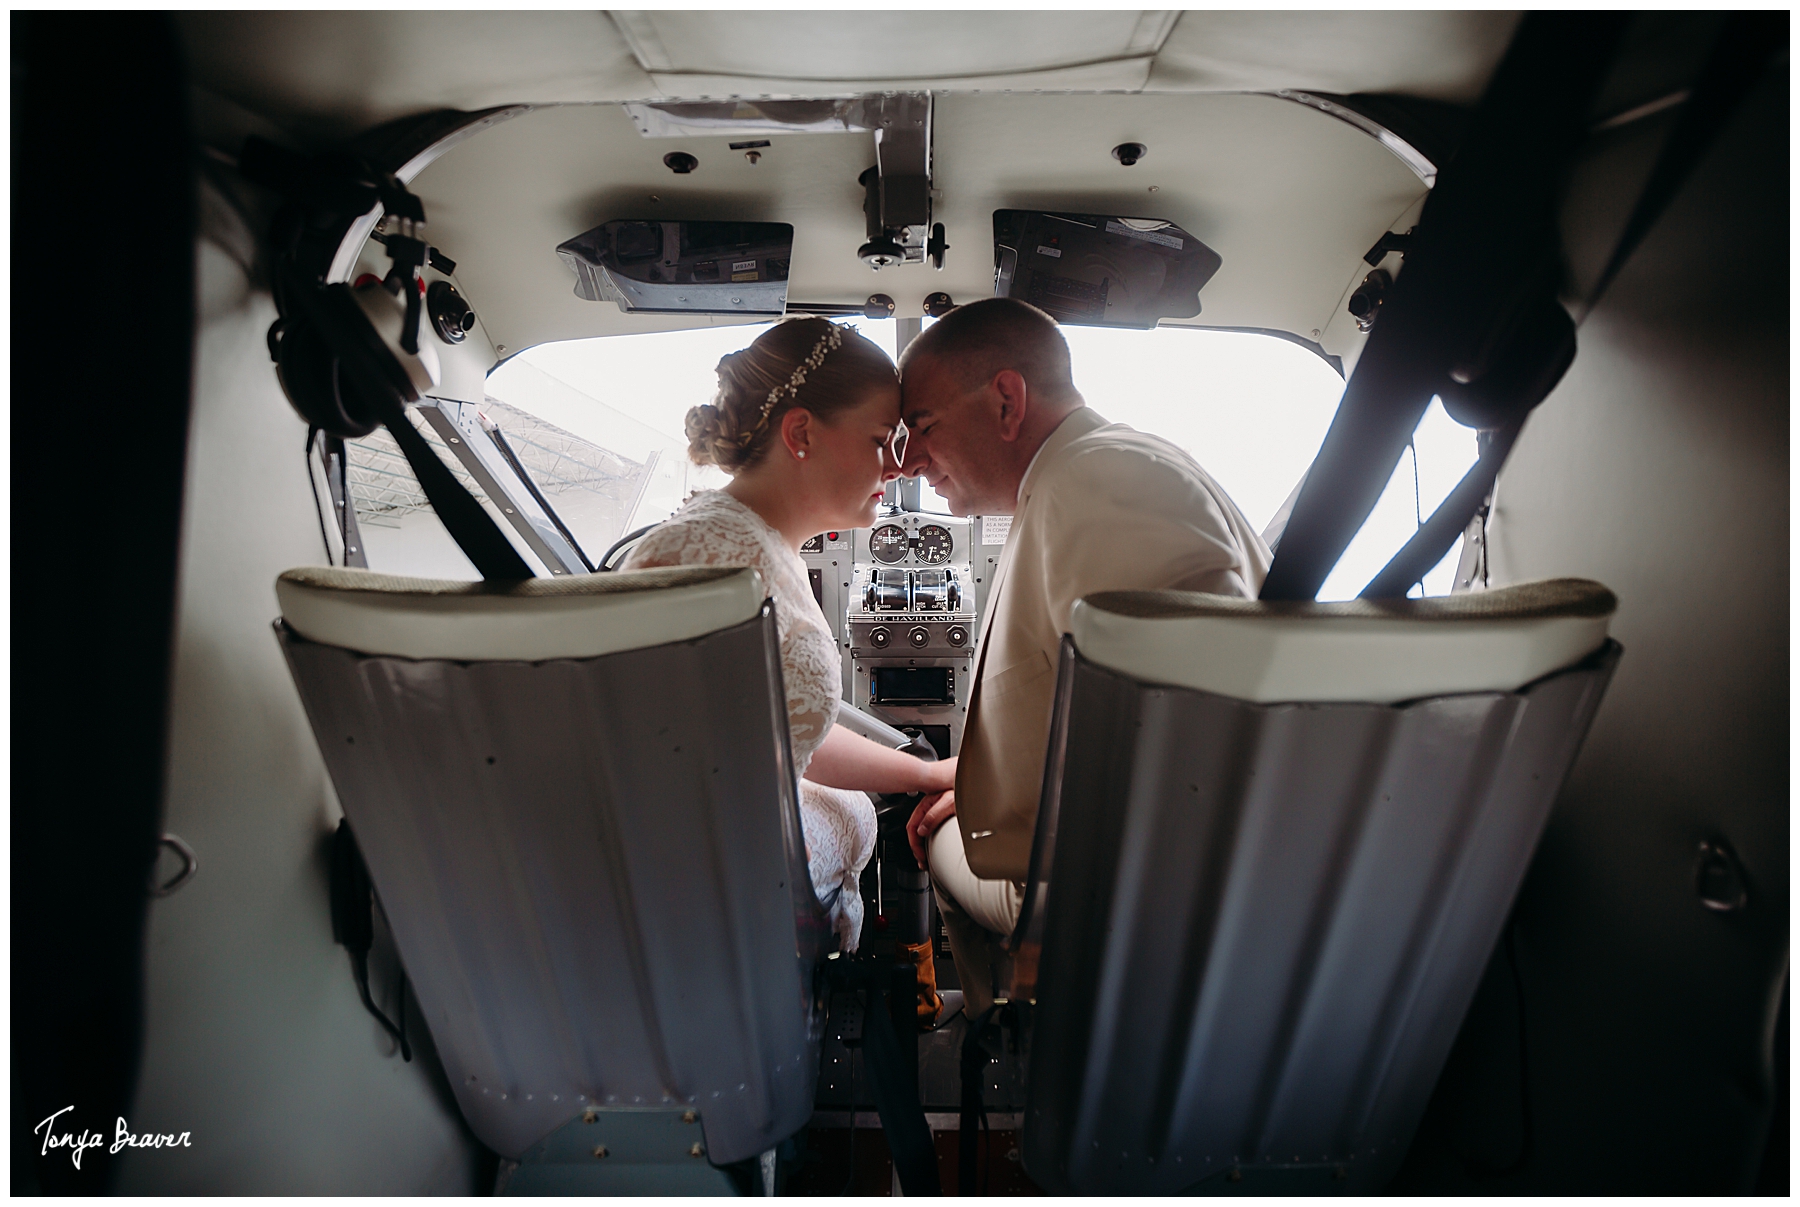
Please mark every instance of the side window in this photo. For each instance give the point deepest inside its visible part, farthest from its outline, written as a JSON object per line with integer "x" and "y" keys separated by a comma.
{"x": 1253, "y": 410}
{"x": 597, "y": 423}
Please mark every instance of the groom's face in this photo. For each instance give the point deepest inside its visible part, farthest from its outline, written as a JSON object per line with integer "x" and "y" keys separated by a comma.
{"x": 953, "y": 439}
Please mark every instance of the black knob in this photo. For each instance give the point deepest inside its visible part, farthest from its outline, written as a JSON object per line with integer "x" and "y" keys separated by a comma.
{"x": 880, "y": 637}
{"x": 882, "y": 252}
{"x": 937, "y": 305}
{"x": 957, "y": 635}
{"x": 680, "y": 162}
{"x": 1129, "y": 153}
{"x": 935, "y": 247}
{"x": 451, "y": 317}
{"x": 919, "y": 637}
{"x": 1365, "y": 303}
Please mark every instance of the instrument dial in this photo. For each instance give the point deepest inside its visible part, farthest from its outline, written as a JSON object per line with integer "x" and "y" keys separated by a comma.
{"x": 887, "y": 544}
{"x": 935, "y": 544}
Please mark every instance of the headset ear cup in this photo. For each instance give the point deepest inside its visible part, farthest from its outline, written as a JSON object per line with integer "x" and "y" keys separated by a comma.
{"x": 356, "y": 403}
{"x": 308, "y": 373}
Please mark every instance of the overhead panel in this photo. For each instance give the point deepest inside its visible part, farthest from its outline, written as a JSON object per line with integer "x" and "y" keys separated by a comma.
{"x": 1288, "y": 196}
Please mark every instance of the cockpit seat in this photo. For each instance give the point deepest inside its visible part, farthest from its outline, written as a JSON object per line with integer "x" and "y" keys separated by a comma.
{"x": 1277, "y": 846}
{"x": 577, "y": 806}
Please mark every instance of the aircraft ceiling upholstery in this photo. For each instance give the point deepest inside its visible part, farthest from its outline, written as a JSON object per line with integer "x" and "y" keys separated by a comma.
{"x": 336, "y": 73}
{"x": 1289, "y": 196}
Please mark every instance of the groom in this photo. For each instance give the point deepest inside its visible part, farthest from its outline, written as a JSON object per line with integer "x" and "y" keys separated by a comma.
{"x": 996, "y": 425}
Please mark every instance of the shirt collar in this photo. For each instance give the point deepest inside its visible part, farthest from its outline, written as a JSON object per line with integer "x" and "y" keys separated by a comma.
{"x": 1076, "y": 424}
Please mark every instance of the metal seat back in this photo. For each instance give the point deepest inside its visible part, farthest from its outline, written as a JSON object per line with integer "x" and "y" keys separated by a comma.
{"x": 592, "y": 864}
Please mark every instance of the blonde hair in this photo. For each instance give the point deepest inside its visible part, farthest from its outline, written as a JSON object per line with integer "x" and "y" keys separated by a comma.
{"x": 797, "y": 362}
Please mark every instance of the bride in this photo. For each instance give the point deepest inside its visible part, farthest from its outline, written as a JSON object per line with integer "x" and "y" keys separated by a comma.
{"x": 805, "y": 421}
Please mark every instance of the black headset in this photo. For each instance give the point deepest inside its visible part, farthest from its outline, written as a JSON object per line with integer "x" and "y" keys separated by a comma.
{"x": 350, "y": 358}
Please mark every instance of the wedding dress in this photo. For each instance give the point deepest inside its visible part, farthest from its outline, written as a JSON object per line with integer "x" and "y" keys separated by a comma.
{"x": 712, "y": 528}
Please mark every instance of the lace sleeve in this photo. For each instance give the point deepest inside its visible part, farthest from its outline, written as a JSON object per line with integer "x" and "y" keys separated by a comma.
{"x": 697, "y": 543}
{"x": 721, "y": 536}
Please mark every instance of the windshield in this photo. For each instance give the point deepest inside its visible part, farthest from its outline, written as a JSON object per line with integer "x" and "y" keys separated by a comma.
{"x": 1251, "y": 409}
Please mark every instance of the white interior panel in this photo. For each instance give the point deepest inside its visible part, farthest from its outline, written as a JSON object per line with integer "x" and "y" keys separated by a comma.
{"x": 254, "y": 1039}
{"x": 332, "y": 74}
{"x": 1445, "y": 56}
{"x": 1289, "y": 197}
{"x": 822, "y": 46}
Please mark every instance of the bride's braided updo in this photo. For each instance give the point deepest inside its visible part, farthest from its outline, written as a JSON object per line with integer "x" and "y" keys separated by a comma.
{"x": 805, "y": 362}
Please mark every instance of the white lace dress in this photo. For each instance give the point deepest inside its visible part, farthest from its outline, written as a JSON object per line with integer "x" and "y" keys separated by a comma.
{"x": 714, "y": 529}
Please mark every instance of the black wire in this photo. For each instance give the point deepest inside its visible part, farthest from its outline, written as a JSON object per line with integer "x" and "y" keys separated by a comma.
{"x": 1475, "y": 1168}
{"x": 359, "y": 966}
{"x": 405, "y": 1049}
{"x": 1412, "y": 442}
{"x": 312, "y": 437}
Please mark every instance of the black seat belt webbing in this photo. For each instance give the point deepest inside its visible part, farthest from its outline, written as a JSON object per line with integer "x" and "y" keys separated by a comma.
{"x": 1743, "y": 48}
{"x": 1486, "y": 221}
{"x": 897, "y": 1101}
{"x": 1435, "y": 536}
{"x": 472, "y": 528}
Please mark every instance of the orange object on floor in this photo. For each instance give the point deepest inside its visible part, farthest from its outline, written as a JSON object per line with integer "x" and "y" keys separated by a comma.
{"x": 922, "y": 959}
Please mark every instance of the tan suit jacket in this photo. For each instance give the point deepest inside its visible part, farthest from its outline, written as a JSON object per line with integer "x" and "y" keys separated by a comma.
{"x": 1101, "y": 508}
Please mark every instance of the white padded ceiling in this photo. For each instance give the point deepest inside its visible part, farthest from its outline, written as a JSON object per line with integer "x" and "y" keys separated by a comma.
{"x": 1446, "y": 56}
{"x": 718, "y": 53}
{"x": 334, "y": 73}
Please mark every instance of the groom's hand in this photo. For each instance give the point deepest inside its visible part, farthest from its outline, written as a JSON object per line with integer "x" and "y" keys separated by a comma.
{"x": 932, "y": 812}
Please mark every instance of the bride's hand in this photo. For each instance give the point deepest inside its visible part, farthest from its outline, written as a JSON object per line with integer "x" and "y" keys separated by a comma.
{"x": 932, "y": 812}
{"x": 939, "y": 776}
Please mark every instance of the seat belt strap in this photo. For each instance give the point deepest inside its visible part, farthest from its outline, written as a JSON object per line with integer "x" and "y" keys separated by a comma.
{"x": 1743, "y": 48}
{"x": 897, "y": 1101}
{"x": 469, "y": 525}
{"x": 1435, "y": 536}
{"x": 1484, "y": 224}
{"x": 893, "y": 1083}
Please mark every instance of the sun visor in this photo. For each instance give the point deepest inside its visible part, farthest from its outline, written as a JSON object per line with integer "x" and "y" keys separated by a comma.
{"x": 653, "y": 267}
{"x": 1100, "y": 271}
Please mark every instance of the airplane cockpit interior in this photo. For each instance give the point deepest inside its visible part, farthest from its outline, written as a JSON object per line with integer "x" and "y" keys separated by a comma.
{"x": 1287, "y": 695}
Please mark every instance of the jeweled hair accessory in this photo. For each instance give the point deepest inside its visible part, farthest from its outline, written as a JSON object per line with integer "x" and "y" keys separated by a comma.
{"x": 827, "y": 344}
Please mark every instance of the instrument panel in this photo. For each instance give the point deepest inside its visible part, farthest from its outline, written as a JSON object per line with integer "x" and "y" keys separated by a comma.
{"x": 904, "y": 598}
{"x": 928, "y": 544}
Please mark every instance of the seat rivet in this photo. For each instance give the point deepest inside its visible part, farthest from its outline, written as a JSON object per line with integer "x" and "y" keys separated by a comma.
{"x": 688, "y": 1116}
{"x": 600, "y": 1150}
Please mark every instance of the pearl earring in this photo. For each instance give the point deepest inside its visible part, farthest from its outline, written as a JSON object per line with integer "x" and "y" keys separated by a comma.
{"x": 801, "y": 454}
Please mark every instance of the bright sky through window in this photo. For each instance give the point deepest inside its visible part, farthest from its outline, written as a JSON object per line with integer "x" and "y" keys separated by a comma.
{"x": 1251, "y": 409}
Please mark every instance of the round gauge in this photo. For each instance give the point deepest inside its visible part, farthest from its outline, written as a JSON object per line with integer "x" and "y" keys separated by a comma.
{"x": 887, "y": 544}
{"x": 935, "y": 544}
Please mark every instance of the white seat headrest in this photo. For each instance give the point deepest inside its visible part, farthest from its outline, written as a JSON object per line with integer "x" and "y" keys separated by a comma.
{"x": 529, "y": 621}
{"x": 1373, "y": 651}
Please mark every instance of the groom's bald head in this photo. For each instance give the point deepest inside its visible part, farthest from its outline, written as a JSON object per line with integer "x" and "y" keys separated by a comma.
{"x": 975, "y": 342}
{"x": 980, "y": 391}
